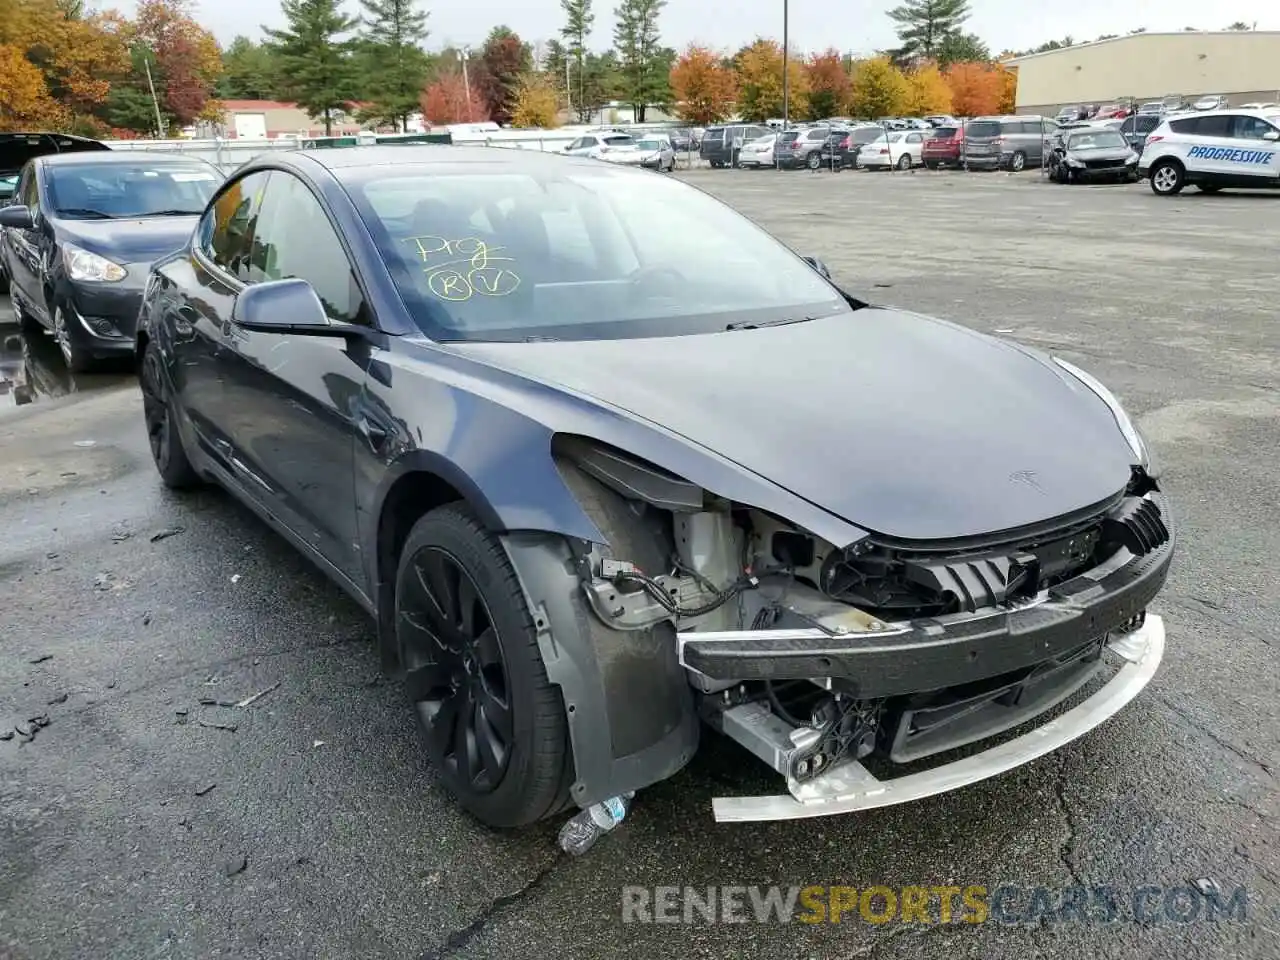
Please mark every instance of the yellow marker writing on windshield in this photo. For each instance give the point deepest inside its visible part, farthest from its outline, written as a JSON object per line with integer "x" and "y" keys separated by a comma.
{"x": 457, "y": 270}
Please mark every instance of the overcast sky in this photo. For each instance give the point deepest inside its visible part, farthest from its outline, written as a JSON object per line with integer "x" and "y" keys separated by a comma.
{"x": 858, "y": 26}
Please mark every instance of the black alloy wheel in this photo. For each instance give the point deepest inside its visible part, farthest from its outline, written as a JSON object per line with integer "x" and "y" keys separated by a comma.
{"x": 455, "y": 673}
{"x": 162, "y": 433}
{"x": 492, "y": 724}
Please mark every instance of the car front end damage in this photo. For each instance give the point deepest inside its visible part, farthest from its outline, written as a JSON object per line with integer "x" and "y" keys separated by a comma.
{"x": 844, "y": 666}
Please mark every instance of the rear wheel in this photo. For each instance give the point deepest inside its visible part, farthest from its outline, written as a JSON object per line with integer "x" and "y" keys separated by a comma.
{"x": 1018, "y": 162}
{"x": 1167, "y": 178}
{"x": 931, "y": 164}
{"x": 813, "y": 161}
{"x": 1208, "y": 187}
{"x": 492, "y": 724}
{"x": 904, "y": 162}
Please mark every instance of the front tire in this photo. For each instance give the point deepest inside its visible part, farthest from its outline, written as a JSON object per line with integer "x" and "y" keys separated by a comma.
{"x": 1018, "y": 162}
{"x": 904, "y": 162}
{"x": 813, "y": 161}
{"x": 163, "y": 437}
{"x": 1167, "y": 178}
{"x": 76, "y": 357}
{"x": 492, "y": 724}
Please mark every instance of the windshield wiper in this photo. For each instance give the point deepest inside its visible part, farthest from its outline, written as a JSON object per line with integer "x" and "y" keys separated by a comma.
{"x": 755, "y": 325}
{"x": 175, "y": 212}
{"x": 84, "y": 212}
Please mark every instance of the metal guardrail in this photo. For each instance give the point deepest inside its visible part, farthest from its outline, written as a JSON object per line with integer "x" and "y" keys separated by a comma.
{"x": 229, "y": 154}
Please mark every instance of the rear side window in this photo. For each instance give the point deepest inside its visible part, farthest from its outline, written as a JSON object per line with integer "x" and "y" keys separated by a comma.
{"x": 1184, "y": 125}
{"x": 983, "y": 128}
{"x": 1214, "y": 126}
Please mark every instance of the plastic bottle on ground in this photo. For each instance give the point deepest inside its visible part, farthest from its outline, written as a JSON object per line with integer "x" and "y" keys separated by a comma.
{"x": 590, "y": 824}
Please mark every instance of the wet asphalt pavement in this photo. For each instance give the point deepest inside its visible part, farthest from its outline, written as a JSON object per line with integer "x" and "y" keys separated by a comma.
{"x": 133, "y": 825}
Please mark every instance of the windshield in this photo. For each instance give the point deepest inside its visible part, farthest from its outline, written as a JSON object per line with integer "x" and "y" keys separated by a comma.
{"x": 145, "y": 188}
{"x": 983, "y": 128}
{"x": 1096, "y": 140}
{"x": 649, "y": 144}
{"x": 620, "y": 141}
{"x": 578, "y": 254}
{"x": 866, "y": 134}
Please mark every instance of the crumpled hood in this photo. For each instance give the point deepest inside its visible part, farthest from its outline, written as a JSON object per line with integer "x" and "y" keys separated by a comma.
{"x": 139, "y": 240}
{"x": 903, "y": 425}
{"x": 1105, "y": 153}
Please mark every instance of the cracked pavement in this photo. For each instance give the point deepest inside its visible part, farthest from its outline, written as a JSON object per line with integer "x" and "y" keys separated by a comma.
{"x": 112, "y": 843}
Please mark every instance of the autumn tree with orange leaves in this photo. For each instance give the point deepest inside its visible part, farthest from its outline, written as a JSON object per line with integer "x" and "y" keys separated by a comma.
{"x": 760, "y": 83}
{"x": 976, "y": 88}
{"x": 183, "y": 56}
{"x": 76, "y": 58}
{"x": 829, "y": 84}
{"x": 928, "y": 91}
{"x": 445, "y": 101}
{"x": 24, "y": 99}
{"x": 703, "y": 87}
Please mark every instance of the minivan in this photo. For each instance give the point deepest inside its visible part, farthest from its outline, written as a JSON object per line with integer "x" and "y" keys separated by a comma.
{"x": 1007, "y": 143}
{"x": 720, "y": 145}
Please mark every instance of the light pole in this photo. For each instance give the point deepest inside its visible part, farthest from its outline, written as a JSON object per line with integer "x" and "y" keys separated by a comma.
{"x": 466, "y": 83}
{"x": 786, "y": 53}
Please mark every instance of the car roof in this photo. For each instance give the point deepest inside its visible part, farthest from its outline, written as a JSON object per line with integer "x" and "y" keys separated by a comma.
{"x": 115, "y": 156}
{"x": 352, "y": 163}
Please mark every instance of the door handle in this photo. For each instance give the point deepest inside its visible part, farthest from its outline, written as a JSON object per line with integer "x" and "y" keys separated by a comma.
{"x": 374, "y": 434}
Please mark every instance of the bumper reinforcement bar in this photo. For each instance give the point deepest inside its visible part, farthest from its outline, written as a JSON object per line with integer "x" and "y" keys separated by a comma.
{"x": 849, "y": 786}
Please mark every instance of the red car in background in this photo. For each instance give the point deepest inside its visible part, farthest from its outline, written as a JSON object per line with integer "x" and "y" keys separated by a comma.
{"x": 944, "y": 146}
{"x": 1111, "y": 111}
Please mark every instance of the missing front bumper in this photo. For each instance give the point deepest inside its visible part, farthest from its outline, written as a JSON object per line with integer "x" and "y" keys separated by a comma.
{"x": 848, "y": 786}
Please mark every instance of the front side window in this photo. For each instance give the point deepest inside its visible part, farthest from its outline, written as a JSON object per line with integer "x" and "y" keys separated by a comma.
{"x": 1251, "y": 128}
{"x": 293, "y": 238}
{"x": 230, "y": 224}
{"x": 114, "y": 190}
{"x": 578, "y": 254}
{"x": 28, "y": 194}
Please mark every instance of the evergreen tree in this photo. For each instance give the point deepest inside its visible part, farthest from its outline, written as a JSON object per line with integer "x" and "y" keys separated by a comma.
{"x": 960, "y": 47}
{"x": 644, "y": 64}
{"x": 394, "y": 66}
{"x": 579, "y": 19}
{"x": 314, "y": 54}
{"x": 924, "y": 24}
{"x": 248, "y": 72}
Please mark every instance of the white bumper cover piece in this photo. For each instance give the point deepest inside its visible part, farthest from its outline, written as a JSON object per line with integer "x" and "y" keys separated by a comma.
{"x": 849, "y": 786}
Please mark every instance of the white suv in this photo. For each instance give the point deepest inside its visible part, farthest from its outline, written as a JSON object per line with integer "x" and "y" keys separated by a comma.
{"x": 1221, "y": 148}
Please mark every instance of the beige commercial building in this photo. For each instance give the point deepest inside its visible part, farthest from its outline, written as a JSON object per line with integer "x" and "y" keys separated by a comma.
{"x": 1241, "y": 65}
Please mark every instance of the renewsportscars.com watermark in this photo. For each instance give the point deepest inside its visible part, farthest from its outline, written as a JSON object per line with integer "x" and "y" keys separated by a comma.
{"x": 973, "y": 904}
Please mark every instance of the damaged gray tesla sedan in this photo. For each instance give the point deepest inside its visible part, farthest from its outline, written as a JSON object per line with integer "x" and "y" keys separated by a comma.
{"x": 609, "y": 465}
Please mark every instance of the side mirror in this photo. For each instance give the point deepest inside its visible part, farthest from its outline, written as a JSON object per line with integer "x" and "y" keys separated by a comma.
{"x": 1272, "y": 135}
{"x": 284, "y": 306}
{"x": 18, "y": 217}
{"x": 819, "y": 266}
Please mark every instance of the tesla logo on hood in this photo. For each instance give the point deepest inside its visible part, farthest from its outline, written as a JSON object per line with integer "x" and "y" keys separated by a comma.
{"x": 1027, "y": 478}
